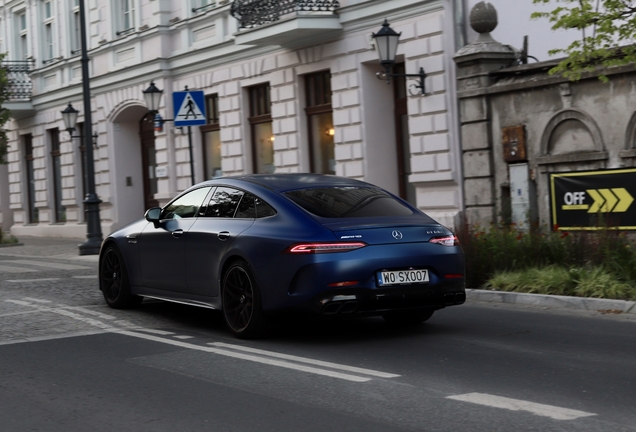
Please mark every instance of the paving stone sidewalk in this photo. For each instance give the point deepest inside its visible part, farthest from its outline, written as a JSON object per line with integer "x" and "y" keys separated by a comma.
{"x": 49, "y": 247}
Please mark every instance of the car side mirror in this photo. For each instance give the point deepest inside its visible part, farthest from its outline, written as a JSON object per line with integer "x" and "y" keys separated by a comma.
{"x": 153, "y": 215}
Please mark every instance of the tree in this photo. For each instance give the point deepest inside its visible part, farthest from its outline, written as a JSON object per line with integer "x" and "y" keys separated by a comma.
{"x": 608, "y": 28}
{"x": 5, "y": 114}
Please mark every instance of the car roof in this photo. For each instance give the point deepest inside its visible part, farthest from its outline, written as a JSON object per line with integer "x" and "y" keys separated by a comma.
{"x": 290, "y": 181}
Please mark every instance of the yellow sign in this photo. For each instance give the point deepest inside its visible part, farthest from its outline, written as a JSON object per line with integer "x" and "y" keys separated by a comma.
{"x": 615, "y": 200}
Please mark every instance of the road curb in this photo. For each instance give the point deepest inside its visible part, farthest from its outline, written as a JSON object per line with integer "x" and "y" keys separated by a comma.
{"x": 553, "y": 301}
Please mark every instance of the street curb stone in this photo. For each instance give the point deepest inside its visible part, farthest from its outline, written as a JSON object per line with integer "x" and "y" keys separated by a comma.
{"x": 552, "y": 301}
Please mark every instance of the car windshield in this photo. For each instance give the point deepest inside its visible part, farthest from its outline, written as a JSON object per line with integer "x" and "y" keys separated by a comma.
{"x": 348, "y": 202}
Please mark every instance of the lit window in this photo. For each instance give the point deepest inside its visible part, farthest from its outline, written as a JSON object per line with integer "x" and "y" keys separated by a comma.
{"x": 320, "y": 123}
{"x": 211, "y": 134}
{"x": 261, "y": 125}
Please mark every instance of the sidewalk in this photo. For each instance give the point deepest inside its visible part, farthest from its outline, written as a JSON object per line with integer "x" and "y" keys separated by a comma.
{"x": 67, "y": 249}
{"x": 49, "y": 247}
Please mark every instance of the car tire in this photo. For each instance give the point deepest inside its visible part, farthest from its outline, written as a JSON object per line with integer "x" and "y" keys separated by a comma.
{"x": 408, "y": 317}
{"x": 242, "y": 305}
{"x": 113, "y": 280}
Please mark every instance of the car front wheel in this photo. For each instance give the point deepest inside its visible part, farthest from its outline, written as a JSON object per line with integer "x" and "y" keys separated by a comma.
{"x": 113, "y": 280}
{"x": 242, "y": 307}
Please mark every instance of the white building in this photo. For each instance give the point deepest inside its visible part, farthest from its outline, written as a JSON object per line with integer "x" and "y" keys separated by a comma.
{"x": 293, "y": 89}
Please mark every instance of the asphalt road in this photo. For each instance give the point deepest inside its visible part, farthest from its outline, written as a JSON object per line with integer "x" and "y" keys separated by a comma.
{"x": 69, "y": 363}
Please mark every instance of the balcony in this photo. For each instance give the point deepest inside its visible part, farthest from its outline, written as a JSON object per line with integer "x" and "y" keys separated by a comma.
{"x": 19, "y": 87}
{"x": 287, "y": 23}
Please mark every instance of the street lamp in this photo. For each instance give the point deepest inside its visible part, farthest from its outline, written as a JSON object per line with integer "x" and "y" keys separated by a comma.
{"x": 152, "y": 96}
{"x": 386, "y": 42}
{"x": 91, "y": 202}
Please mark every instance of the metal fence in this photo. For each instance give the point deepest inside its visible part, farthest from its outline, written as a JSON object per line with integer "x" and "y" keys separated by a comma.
{"x": 19, "y": 85}
{"x": 254, "y": 13}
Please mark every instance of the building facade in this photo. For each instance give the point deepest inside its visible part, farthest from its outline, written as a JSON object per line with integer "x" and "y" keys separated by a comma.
{"x": 289, "y": 87}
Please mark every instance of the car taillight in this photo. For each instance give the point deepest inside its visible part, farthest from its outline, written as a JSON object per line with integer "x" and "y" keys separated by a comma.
{"x": 450, "y": 240}
{"x": 312, "y": 248}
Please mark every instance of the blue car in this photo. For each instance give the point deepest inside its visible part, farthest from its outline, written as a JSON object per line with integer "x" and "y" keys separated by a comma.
{"x": 254, "y": 245}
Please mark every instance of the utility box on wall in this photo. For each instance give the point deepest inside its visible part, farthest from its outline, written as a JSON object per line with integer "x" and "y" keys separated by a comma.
{"x": 523, "y": 197}
{"x": 513, "y": 139}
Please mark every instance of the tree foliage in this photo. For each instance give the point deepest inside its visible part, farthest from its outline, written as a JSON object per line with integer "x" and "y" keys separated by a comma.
{"x": 608, "y": 28}
{"x": 5, "y": 114}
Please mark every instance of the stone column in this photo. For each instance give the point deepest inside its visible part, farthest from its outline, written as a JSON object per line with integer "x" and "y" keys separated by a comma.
{"x": 474, "y": 62}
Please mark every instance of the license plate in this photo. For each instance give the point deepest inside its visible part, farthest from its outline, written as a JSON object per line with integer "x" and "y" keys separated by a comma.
{"x": 402, "y": 277}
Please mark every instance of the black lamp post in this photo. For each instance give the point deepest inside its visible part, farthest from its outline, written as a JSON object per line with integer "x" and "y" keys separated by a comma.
{"x": 386, "y": 42}
{"x": 91, "y": 201}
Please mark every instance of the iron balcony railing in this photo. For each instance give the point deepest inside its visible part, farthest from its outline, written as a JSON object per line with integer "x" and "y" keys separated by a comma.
{"x": 19, "y": 84}
{"x": 254, "y": 13}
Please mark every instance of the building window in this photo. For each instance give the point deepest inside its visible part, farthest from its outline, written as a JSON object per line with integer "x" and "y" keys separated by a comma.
{"x": 211, "y": 134}
{"x": 27, "y": 143}
{"x": 22, "y": 48}
{"x": 48, "y": 42}
{"x": 75, "y": 28}
{"x": 56, "y": 164}
{"x": 320, "y": 123}
{"x": 126, "y": 16}
{"x": 261, "y": 125}
{"x": 202, "y": 5}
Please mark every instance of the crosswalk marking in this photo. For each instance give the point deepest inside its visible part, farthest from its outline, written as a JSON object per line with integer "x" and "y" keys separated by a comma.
{"x": 8, "y": 269}
{"x": 553, "y": 412}
{"x": 45, "y": 264}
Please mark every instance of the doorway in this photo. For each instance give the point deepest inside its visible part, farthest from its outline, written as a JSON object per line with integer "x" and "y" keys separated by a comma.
{"x": 148, "y": 160}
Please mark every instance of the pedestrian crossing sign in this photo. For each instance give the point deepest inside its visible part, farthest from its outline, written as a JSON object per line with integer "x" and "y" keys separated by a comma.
{"x": 189, "y": 108}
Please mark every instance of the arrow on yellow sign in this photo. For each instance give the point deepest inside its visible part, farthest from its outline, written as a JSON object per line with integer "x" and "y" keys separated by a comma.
{"x": 616, "y": 200}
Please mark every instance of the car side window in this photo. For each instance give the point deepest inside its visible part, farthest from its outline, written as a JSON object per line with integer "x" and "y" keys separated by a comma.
{"x": 185, "y": 206}
{"x": 263, "y": 209}
{"x": 246, "y": 208}
{"x": 224, "y": 203}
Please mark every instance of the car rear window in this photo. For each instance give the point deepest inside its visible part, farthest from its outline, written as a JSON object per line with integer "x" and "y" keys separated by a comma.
{"x": 348, "y": 202}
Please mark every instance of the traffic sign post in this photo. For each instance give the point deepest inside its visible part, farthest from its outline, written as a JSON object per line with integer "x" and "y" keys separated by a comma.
{"x": 189, "y": 108}
{"x": 593, "y": 200}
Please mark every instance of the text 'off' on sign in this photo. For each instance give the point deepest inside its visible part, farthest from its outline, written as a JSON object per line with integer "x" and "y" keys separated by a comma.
{"x": 189, "y": 108}
{"x": 593, "y": 199}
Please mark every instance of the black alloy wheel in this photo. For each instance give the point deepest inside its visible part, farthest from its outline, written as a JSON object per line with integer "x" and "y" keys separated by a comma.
{"x": 242, "y": 303}
{"x": 113, "y": 280}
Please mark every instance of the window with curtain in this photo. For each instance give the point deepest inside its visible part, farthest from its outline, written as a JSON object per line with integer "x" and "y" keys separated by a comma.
{"x": 211, "y": 136}
{"x": 261, "y": 127}
{"x": 320, "y": 123}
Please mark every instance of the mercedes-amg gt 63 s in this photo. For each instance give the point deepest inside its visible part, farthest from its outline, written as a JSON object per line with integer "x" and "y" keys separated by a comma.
{"x": 254, "y": 245}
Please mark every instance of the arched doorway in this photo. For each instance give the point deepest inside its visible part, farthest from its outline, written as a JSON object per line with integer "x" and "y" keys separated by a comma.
{"x": 148, "y": 160}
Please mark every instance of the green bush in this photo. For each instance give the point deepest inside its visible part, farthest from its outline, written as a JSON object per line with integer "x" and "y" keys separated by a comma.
{"x": 599, "y": 263}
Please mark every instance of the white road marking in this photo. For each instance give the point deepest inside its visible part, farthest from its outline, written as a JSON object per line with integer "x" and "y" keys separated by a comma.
{"x": 85, "y": 277}
{"x": 248, "y": 357}
{"x": 554, "y": 412}
{"x": 53, "y": 337}
{"x": 48, "y": 265}
{"x": 10, "y": 269}
{"x": 36, "y": 300}
{"x": 31, "y": 280}
{"x": 90, "y": 312}
{"x": 64, "y": 310}
{"x": 183, "y": 337}
{"x": 153, "y": 331}
{"x": 306, "y": 360}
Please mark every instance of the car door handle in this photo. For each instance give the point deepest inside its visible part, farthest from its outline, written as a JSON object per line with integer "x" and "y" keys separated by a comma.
{"x": 223, "y": 235}
{"x": 177, "y": 233}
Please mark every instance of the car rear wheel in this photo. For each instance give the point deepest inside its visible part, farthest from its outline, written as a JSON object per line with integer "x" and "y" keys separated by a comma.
{"x": 242, "y": 307}
{"x": 113, "y": 280}
{"x": 408, "y": 317}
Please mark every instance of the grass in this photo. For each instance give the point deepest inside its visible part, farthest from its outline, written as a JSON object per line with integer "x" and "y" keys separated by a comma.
{"x": 598, "y": 264}
{"x": 7, "y": 239}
